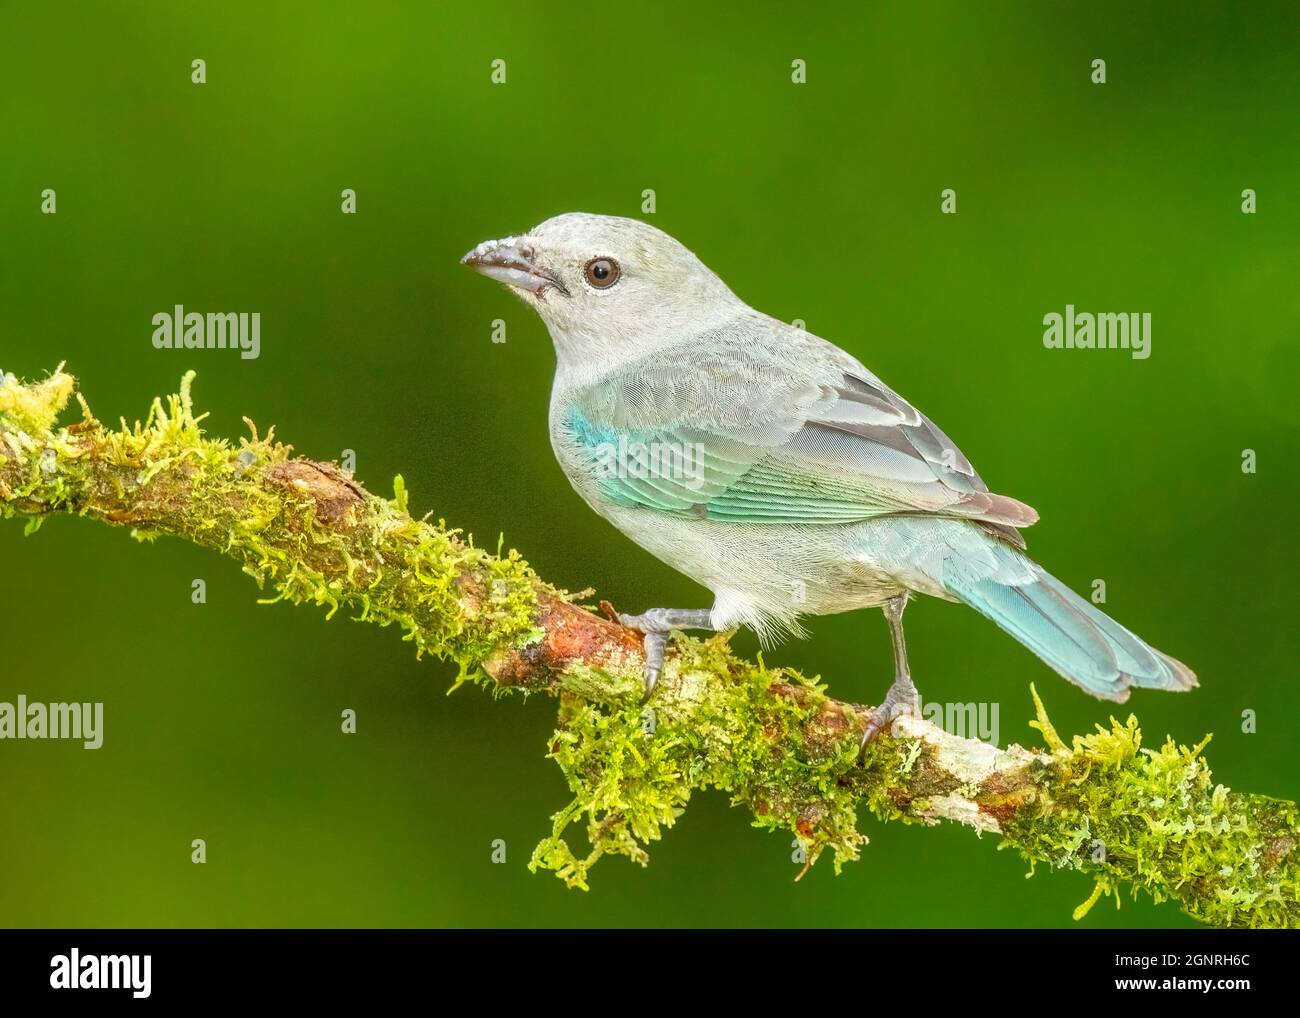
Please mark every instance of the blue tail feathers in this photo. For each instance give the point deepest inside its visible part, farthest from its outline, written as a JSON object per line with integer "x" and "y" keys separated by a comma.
{"x": 1070, "y": 634}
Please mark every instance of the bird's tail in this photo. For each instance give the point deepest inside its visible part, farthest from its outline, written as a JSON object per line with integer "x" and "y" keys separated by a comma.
{"x": 1076, "y": 640}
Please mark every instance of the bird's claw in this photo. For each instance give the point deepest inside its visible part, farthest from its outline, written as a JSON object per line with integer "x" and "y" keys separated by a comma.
{"x": 901, "y": 700}
{"x": 657, "y": 624}
{"x": 656, "y": 641}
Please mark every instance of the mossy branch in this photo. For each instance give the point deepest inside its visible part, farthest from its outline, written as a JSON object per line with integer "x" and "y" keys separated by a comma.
{"x": 1145, "y": 819}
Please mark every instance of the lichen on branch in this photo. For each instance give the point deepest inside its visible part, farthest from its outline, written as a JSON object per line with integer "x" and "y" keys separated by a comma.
{"x": 1146, "y": 820}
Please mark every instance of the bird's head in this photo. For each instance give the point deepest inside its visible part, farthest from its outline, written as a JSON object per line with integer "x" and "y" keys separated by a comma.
{"x": 605, "y": 285}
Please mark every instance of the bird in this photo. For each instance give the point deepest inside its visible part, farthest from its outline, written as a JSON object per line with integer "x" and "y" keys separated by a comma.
{"x": 775, "y": 469}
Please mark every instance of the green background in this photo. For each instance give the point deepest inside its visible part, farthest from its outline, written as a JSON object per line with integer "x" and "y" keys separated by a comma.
{"x": 817, "y": 201}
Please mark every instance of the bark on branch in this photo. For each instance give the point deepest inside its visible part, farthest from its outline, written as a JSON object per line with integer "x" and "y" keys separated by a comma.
{"x": 1131, "y": 817}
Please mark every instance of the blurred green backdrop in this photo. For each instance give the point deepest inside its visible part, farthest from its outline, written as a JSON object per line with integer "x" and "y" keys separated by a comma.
{"x": 816, "y": 201}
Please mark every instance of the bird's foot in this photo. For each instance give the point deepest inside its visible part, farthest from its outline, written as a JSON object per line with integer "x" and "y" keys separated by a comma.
{"x": 657, "y": 624}
{"x": 902, "y": 699}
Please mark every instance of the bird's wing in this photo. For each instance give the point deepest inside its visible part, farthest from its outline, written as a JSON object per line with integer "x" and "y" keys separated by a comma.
{"x": 750, "y": 432}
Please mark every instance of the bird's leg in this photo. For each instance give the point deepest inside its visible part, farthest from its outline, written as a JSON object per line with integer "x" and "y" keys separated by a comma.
{"x": 902, "y": 697}
{"x": 656, "y": 624}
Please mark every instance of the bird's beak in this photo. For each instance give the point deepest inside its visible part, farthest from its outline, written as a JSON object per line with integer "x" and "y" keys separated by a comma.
{"x": 511, "y": 261}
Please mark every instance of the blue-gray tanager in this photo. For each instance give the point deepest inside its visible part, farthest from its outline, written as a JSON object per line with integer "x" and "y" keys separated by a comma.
{"x": 774, "y": 469}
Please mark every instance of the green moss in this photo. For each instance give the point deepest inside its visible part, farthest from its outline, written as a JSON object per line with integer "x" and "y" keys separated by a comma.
{"x": 165, "y": 475}
{"x": 632, "y": 772}
{"x": 771, "y": 739}
{"x": 1154, "y": 820}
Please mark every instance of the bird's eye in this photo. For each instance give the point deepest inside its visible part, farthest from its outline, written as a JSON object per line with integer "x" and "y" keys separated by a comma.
{"x": 602, "y": 273}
